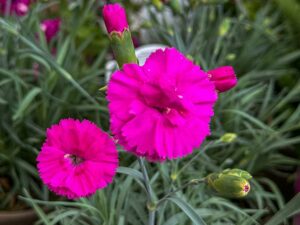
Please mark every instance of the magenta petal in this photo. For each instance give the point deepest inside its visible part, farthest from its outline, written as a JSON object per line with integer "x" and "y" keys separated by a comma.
{"x": 114, "y": 17}
{"x": 19, "y": 7}
{"x": 161, "y": 110}
{"x": 223, "y": 77}
{"x": 50, "y": 27}
{"x": 77, "y": 158}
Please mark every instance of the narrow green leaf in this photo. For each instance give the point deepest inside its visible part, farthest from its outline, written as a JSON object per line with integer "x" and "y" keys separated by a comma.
{"x": 290, "y": 209}
{"x": 131, "y": 172}
{"x": 38, "y": 209}
{"x": 188, "y": 210}
{"x": 249, "y": 118}
{"x": 26, "y": 102}
{"x": 63, "y": 51}
{"x": 37, "y": 58}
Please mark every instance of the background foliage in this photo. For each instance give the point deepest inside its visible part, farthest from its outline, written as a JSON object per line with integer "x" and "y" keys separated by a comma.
{"x": 38, "y": 88}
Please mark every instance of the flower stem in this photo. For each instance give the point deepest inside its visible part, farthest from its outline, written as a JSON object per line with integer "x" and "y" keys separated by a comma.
{"x": 195, "y": 157}
{"x": 191, "y": 182}
{"x": 151, "y": 218}
{"x": 150, "y": 204}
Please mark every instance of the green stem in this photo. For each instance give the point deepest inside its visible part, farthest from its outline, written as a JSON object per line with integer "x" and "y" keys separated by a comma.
{"x": 150, "y": 204}
{"x": 191, "y": 182}
{"x": 151, "y": 218}
{"x": 195, "y": 157}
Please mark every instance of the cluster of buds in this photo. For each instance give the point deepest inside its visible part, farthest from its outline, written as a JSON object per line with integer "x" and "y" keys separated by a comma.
{"x": 230, "y": 183}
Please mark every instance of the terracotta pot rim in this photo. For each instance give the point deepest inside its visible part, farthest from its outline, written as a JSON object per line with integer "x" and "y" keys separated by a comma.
{"x": 18, "y": 211}
{"x": 18, "y": 217}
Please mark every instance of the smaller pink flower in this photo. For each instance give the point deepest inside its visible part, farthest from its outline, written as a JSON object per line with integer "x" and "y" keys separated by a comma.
{"x": 115, "y": 18}
{"x": 77, "y": 158}
{"x": 19, "y": 7}
{"x": 224, "y": 78}
{"x": 50, "y": 27}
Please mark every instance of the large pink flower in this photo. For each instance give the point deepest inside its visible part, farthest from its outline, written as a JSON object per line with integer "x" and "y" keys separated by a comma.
{"x": 161, "y": 110}
{"x": 77, "y": 158}
{"x": 20, "y": 7}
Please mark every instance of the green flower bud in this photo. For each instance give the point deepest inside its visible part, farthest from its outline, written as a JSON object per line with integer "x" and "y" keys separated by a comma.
{"x": 228, "y": 137}
{"x": 230, "y": 183}
{"x": 158, "y": 4}
{"x": 190, "y": 57}
{"x": 224, "y": 27}
{"x": 174, "y": 176}
{"x": 147, "y": 24}
{"x": 151, "y": 206}
{"x": 175, "y": 6}
{"x": 237, "y": 172}
{"x": 231, "y": 57}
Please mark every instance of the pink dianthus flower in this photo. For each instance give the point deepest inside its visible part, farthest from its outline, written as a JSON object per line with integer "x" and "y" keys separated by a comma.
{"x": 161, "y": 110}
{"x": 50, "y": 27}
{"x": 20, "y": 7}
{"x": 77, "y": 158}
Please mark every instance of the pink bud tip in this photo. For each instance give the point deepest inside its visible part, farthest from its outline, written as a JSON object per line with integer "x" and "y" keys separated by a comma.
{"x": 114, "y": 17}
{"x": 223, "y": 77}
{"x": 50, "y": 27}
{"x": 246, "y": 188}
{"x": 22, "y": 8}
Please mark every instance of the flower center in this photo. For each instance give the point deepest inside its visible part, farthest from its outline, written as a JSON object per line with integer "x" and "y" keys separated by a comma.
{"x": 164, "y": 101}
{"x": 76, "y": 160}
{"x": 246, "y": 188}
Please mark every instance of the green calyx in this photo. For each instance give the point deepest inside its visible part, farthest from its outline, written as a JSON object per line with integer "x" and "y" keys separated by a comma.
{"x": 123, "y": 47}
{"x": 230, "y": 183}
{"x": 151, "y": 206}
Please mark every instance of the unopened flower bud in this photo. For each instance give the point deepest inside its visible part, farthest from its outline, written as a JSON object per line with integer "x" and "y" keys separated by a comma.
{"x": 228, "y": 137}
{"x": 231, "y": 183}
{"x": 114, "y": 16}
{"x": 175, "y": 6}
{"x": 50, "y": 27}
{"x": 120, "y": 37}
{"x": 174, "y": 176}
{"x": 22, "y": 8}
{"x": 224, "y": 27}
{"x": 190, "y": 57}
{"x": 19, "y": 7}
{"x": 224, "y": 78}
{"x": 238, "y": 172}
{"x": 158, "y": 4}
{"x": 231, "y": 57}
